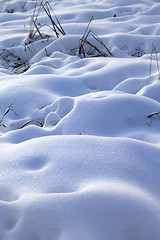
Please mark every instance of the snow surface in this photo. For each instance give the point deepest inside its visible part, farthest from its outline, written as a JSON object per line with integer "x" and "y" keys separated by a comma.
{"x": 80, "y": 133}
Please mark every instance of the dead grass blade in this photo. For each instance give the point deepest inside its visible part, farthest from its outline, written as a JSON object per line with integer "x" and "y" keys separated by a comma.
{"x": 100, "y": 41}
{"x": 38, "y": 29}
{"x": 39, "y": 122}
{"x": 14, "y": 63}
{"x": 84, "y": 40}
{"x": 154, "y": 114}
{"x": 154, "y": 50}
{"x": 35, "y": 26}
{"x": 57, "y": 27}
{"x": 84, "y": 37}
{"x": 10, "y": 108}
{"x": 18, "y": 68}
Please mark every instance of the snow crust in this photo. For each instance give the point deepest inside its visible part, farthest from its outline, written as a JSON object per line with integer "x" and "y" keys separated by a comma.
{"x": 80, "y": 133}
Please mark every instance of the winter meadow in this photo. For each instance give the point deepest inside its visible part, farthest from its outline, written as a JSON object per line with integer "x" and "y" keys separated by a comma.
{"x": 79, "y": 120}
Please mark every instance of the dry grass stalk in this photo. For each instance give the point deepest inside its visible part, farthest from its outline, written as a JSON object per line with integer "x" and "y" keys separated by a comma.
{"x": 35, "y": 27}
{"x": 37, "y": 121}
{"x": 57, "y": 27}
{"x": 14, "y": 62}
{"x": 154, "y": 50}
{"x": 93, "y": 48}
{"x": 18, "y": 68}
{"x": 154, "y": 114}
{"x": 10, "y": 108}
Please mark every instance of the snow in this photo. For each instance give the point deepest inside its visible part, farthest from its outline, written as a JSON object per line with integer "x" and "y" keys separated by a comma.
{"x": 79, "y": 133}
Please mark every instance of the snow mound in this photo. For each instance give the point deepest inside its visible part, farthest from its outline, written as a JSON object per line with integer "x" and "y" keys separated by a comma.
{"x": 72, "y": 191}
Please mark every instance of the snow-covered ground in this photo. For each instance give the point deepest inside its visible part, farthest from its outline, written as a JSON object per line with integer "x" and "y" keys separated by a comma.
{"x": 79, "y": 120}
